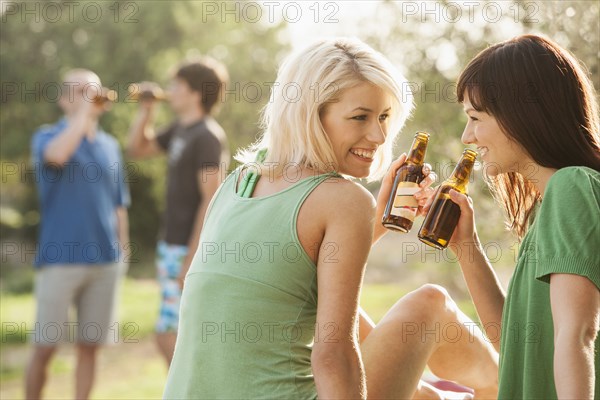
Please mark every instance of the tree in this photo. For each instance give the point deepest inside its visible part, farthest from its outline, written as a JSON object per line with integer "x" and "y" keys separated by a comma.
{"x": 123, "y": 42}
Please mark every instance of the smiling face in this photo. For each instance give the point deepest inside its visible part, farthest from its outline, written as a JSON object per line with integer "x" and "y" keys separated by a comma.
{"x": 357, "y": 125}
{"x": 498, "y": 152}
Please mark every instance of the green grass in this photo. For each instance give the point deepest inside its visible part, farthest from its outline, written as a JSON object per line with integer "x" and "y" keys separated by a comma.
{"x": 138, "y": 307}
{"x": 378, "y": 298}
{"x": 132, "y": 369}
{"x": 17, "y": 314}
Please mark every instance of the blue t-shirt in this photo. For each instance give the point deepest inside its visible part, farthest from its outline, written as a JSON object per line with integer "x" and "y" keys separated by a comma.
{"x": 79, "y": 200}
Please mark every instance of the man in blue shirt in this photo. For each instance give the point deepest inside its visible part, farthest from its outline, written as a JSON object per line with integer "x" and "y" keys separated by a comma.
{"x": 83, "y": 230}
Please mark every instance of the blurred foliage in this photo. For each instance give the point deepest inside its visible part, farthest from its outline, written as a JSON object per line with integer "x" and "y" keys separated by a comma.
{"x": 133, "y": 41}
{"x": 431, "y": 48}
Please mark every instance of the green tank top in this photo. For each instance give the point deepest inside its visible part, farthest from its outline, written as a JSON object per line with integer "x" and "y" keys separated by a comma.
{"x": 249, "y": 304}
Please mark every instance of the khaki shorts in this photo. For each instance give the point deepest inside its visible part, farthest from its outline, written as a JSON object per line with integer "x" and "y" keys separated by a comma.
{"x": 92, "y": 289}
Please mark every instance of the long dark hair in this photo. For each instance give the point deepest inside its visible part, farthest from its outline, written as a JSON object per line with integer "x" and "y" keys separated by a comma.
{"x": 543, "y": 100}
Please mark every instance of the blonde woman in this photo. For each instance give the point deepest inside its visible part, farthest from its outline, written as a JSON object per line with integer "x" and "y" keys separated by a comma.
{"x": 270, "y": 303}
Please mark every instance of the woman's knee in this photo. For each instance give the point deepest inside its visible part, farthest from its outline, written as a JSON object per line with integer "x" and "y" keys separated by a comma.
{"x": 432, "y": 293}
{"x": 429, "y": 303}
{"x": 435, "y": 297}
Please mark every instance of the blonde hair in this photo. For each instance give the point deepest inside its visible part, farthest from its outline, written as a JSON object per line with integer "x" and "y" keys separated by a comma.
{"x": 310, "y": 79}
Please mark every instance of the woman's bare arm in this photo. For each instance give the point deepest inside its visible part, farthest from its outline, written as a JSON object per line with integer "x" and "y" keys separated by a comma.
{"x": 336, "y": 359}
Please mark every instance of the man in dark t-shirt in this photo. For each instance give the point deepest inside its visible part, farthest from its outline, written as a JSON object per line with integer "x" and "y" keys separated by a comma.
{"x": 198, "y": 153}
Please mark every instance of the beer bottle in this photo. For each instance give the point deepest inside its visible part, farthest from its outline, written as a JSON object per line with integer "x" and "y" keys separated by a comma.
{"x": 401, "y": 207}
{"x": 105, "y": 96}
{"x": 442, "y": 218}
{"x": 152, "y": 93}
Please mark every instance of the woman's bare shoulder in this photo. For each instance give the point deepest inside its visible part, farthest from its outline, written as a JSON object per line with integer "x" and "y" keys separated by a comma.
{"x": 338, "y": 195}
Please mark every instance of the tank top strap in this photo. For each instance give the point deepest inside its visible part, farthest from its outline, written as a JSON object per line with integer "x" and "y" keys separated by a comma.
{"x": 228, "y": 185}
{"x": 295, "y": 193}
{"x": 303, "y": 188}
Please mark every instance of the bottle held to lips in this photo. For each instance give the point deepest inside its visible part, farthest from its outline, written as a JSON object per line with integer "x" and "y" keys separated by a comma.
{"x": 443, "y": 215}
{"x": 401, "y": 208}
{"x": 154, "y": 92}
{"x": 105, "y": 95}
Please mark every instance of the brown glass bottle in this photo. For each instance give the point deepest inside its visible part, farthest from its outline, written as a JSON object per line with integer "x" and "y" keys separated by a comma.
{"x": 105, "y": 96}
{"x": 443, "y": 215}
{"x": 401, "y": 207}
{"x": 154, "y": 93}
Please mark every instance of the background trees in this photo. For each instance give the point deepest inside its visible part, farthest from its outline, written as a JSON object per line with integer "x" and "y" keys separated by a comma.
{"x": 130, "y": 41}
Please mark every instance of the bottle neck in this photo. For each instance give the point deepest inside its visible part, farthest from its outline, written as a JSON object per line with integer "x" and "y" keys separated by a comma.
{"x": 460, "y": 176}
{"x": 416, "y": 155}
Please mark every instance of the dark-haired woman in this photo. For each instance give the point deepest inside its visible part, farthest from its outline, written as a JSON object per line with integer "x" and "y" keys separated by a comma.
{"x": 533, "y": 115}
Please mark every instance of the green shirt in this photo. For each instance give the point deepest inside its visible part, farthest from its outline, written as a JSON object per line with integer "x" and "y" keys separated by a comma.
{"x": 249, "y": 304}
{"x": 564, "y": 238}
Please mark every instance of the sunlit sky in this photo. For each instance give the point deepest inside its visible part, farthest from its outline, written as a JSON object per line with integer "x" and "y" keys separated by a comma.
{"x": 328, "y": 18}
{"x": 335, "y": 18}
{"x": 309, "y": 20}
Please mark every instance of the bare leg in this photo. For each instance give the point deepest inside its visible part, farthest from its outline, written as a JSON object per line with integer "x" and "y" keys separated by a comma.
{"x": 85, "y": 371}
{"x": 471, "y": 360}
{"x": 426, "y": 327}
{"x": 166, "y": 345}
{"x": 425, "y": 391}
{"x": 36, "y": 374}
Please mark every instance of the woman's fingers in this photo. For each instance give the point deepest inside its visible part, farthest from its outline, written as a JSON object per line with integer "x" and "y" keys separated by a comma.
{"x": 464, "y": 202}
{"x": 424, "y": 199}
{"x": 394, "y": 167}
{"x": 388, "y": 180}
{"x": 425, "y": 193}
{"x": 426, "y": 169}
{"x": 430, "y": 179}
{"x": 465, "y": 230}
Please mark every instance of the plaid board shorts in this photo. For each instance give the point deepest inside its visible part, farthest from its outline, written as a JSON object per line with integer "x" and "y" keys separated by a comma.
{"x": 169, "y": 258}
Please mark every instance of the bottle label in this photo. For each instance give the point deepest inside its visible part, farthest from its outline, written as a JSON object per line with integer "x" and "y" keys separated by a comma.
{"x": 405, "y": 205}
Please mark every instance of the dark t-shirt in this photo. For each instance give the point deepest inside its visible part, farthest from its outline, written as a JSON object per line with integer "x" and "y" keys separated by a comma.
{"x": 190, "y": 149}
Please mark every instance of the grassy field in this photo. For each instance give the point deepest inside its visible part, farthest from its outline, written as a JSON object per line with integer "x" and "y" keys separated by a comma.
{"x": 132, "y": 368}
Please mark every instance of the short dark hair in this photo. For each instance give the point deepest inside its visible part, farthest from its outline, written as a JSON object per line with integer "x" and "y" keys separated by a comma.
{"x": 206, "y": 76}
